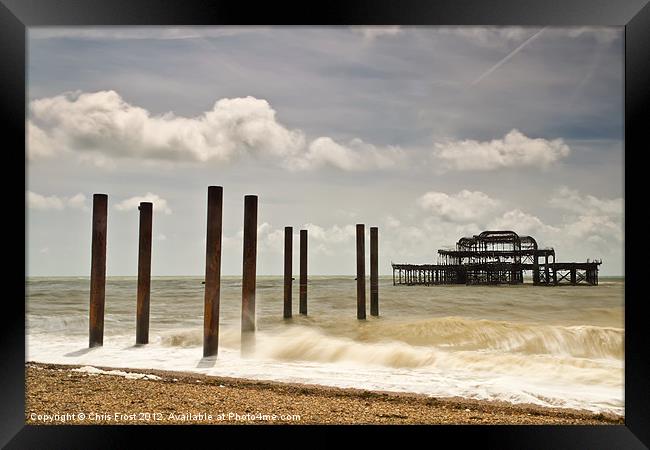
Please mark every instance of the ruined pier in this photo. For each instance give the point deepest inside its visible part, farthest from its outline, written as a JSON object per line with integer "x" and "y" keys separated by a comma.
{"x": 497, "y": 257}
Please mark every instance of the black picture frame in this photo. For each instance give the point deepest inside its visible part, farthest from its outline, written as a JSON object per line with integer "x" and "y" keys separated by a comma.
{"x": 16, "y": 15}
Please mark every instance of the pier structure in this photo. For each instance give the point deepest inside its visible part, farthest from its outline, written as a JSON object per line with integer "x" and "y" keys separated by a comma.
{"x": 497, "y": 257}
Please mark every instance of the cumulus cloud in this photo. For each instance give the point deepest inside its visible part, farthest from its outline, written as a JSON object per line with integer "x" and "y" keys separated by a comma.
{"x": 521, "y": 223}
{"x": 464, "y": 206}
{"x": 354, "y": 156}
{"x": 587, "y": 216}
{"x": 131, "y": 204}
{"x": 53, "y": 202}
{"x": 572, "y": 200}
{"x": 104, "y": 123}
{"x": 100, "y": 127}
{"x": 513, "y": 150}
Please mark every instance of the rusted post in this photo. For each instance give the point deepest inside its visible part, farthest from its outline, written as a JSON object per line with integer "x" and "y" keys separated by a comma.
{"x": 303, "y": 272}
{"x": 288, "y": 271}
{"x": 248, "y": 273}
{"x": 546, "y": 269}
{"x": 144, "y": 274}
{"x": 374, "y": 271}
{"x": 98, "y": 271}
{"x": 212, "y": 272}
{"x": 361, "y": 272}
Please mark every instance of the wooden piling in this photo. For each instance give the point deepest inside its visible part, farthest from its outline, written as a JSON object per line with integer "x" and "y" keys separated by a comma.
{"x": 303, "y": 272}
{"x": 144, "y": 274}
{"x": 374, "y": 271}
{"x": 288, "y": 271}
{"x": 361, "y": 272}
{"x": 248, "y": 273}
{"x": 212, "y": 272}
{"x": 98, "y": 271}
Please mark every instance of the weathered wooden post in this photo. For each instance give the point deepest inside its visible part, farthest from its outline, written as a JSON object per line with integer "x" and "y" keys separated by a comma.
{"x": 288, "y": 271}
{"x": 98, "y": 271}
{"x": 374, "y": 271}
{"x": 144, "y": 274}
{"x": 248, "y": 274}
{"x": 361, "y": 272}
{"x": 303, "y": 272}
{"x": 212, "y": 272}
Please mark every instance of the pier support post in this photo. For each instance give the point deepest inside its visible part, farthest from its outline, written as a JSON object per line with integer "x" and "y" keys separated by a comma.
{"x": 303, "y": 272}
{"x": 288, "y": 270}
{"x": 144, "y": 274}
{"x": 98, "y": 271}
{"x": 212, "y": 272}
{"x": 249, "y": 272}
{"x": 361, "y": 272}
{"x": 374, "y": 271}
{"x": 546, "y": 270}
{"x": 573, "y": 276}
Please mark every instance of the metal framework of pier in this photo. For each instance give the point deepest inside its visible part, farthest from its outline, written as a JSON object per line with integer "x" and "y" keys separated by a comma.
{"x": 497, "y": 257}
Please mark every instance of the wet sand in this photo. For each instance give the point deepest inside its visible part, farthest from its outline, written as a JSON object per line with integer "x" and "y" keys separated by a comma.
{"x": 55, "y": 394}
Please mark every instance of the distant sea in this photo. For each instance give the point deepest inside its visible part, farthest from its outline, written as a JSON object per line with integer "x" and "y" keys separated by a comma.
{"x": 549, "y": 346}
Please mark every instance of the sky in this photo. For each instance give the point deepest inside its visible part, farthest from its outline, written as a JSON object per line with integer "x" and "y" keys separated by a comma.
{"x": 429, "y": 133}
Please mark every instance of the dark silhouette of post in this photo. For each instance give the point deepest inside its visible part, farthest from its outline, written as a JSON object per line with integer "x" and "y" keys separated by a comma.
{"x": 248, "y": 274}
{"x": 303, "y": 272}
{"x": 98, "y": 271}
{"x": 212, "y": 272}
{"x": 361, "y": 272}
{"x": 374, "y": 271}
{"x": 144, "y": 274}
{"x": 288, "y": 270}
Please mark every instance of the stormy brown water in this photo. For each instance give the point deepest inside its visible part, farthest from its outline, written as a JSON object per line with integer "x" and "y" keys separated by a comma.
{"x": 552, "y": 346}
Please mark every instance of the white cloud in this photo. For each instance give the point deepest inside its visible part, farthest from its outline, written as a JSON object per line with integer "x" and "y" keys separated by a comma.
{"x": 489, "y": 36}
{"x": 590, "y": 217}
{"x": 53, "y": 202}
{"x": 514, "y": 150}
{"x": 603, "y": 35}
{"x": 131, "y": 204}
{"x": 104, "y": 123}
{"x": 465, "y": 206}
{"x": 572, "y": 200}
{"x": 324, "y": 241}
{"x": 355, "y": 156}
{"x": 371, "y": 33}
{"x": 101, "y": 127}
{"x": 521, "y": 223}
{"x": 588, "y": 226}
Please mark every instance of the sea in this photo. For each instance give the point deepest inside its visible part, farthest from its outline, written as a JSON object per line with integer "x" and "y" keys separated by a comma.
{"x": 559, "y": 346}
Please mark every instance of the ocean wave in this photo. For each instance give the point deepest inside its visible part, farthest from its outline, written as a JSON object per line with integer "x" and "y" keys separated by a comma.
{"x": 469, "y": 334}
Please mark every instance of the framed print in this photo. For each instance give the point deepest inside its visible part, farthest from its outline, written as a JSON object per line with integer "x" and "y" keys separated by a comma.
{"x": 348, "y": 214}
